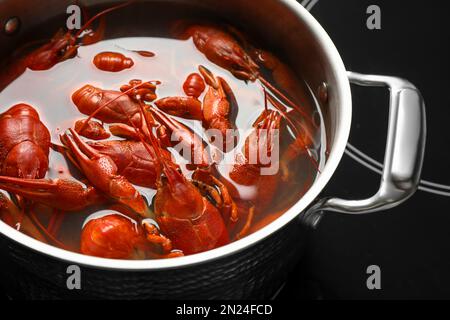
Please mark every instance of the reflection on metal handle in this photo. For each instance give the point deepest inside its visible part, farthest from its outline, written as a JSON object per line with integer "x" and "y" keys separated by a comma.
{"x": 404, "y": 150}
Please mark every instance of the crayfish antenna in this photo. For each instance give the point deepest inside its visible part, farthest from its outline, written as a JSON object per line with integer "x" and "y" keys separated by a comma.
{"x": 55, "y": 222}
{"x": 99, "y": 33}
{"x": 248, "y": 224}
{"x": 283, "y": 97}
{"x": 101, "y": 14}
{"x": 44, "y": 231}
{"x": 170, "y": 171}
{"x": 276, "y": 104}
{"x": 19, "y": 218}
{"x": 153, "y": 141}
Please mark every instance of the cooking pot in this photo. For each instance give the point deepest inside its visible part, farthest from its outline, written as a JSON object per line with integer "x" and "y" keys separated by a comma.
{"x": 257, "y": 265}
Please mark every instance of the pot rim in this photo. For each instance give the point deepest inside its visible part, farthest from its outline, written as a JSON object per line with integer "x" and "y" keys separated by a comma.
{"x": 340, "y": 141}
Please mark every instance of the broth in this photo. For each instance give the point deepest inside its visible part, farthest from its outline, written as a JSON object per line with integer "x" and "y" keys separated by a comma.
{"x": 50, "y": 91}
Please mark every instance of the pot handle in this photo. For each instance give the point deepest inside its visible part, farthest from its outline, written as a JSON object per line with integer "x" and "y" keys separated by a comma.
{"x": 405, "y": 149}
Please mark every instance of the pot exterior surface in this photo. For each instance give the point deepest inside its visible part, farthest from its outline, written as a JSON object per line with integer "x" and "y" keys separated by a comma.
{"x": 255, "y": 273}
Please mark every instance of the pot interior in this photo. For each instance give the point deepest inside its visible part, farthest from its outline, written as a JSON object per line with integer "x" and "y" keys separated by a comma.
{"x": 302, "y": 45}
{"x": 289, "y": 37}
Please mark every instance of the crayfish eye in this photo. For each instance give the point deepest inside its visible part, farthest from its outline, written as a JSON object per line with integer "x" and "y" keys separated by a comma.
{"x": 61, "y": 53}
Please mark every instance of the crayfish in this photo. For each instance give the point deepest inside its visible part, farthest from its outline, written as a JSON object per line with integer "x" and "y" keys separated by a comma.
{"x": 226, "y": 49}
{"x": 118, "y": 167}
{"x": 116, "y": 236}
{"x": 24, "y": 143}
{"x": 184, "y": 214}
{"x": 215, "y": 113}
{"x": 63, "y": 46}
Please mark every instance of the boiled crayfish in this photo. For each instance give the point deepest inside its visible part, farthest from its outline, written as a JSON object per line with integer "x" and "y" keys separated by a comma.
{"x": 91, "y": 130}
{"x": 107, "y": 105}
{"x": 133, "y": 160}
{"x": 62, "y": 46}
{"x": 115, "y": 236}
{"x": 257, "y": 155}
{"x": 178, "y": 133}
{"x": 112, "y": 61}
{"x": 102, "y": 172}
{"x": 62, "y": 194}
{"x": 194, "y": 85}
{"x": 184, "y": 215}
{"x": 215, "y": 113}
{"x": 24, "y": 143}
{"x": 223, "y": 49}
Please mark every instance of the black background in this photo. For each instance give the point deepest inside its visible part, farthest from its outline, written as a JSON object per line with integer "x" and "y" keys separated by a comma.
{"x": 411, "y": 243}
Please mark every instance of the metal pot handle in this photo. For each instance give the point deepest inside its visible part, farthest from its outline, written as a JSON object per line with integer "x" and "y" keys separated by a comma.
{"x": 405, "y": 149}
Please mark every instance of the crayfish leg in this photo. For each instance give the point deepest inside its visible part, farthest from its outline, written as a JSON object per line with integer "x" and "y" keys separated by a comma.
{"x": 248, "y": 224}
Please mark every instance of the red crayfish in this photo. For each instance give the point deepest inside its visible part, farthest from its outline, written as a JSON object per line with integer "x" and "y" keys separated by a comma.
{"x": 112, "y": 62}
{"x": 133, "y": 160}
{"x": 107, "y": 105}
{"x": 215, "y": 113}
{"x": 115, "y": 236}
{"x": 62, "y": 46}
{"x": 24, "y": 143}
{"x": 223, "y": 49}
{"x": 102, "y": 172}
{"x": 194, "y": 85}
{"x": 186, "y": 216}
{"x": 91, "y": 129}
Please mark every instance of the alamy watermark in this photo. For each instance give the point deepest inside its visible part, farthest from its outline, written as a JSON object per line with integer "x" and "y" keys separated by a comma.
{"x": 73, "y": 281}
{"x": 260, "y": 147}
{"x": 374, "y": 19}
{"x": 74, "y": 19}
{"x": 374, "y": 280}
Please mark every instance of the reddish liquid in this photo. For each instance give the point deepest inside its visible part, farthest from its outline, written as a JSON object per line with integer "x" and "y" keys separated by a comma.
{"x": 50, "y": 93}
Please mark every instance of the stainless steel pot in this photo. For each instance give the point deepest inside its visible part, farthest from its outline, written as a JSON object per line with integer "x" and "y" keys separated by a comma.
{"x": 256, "y": 266}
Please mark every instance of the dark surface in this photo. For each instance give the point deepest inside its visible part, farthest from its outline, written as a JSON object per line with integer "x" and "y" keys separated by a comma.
{"x": 411, "y": 243}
